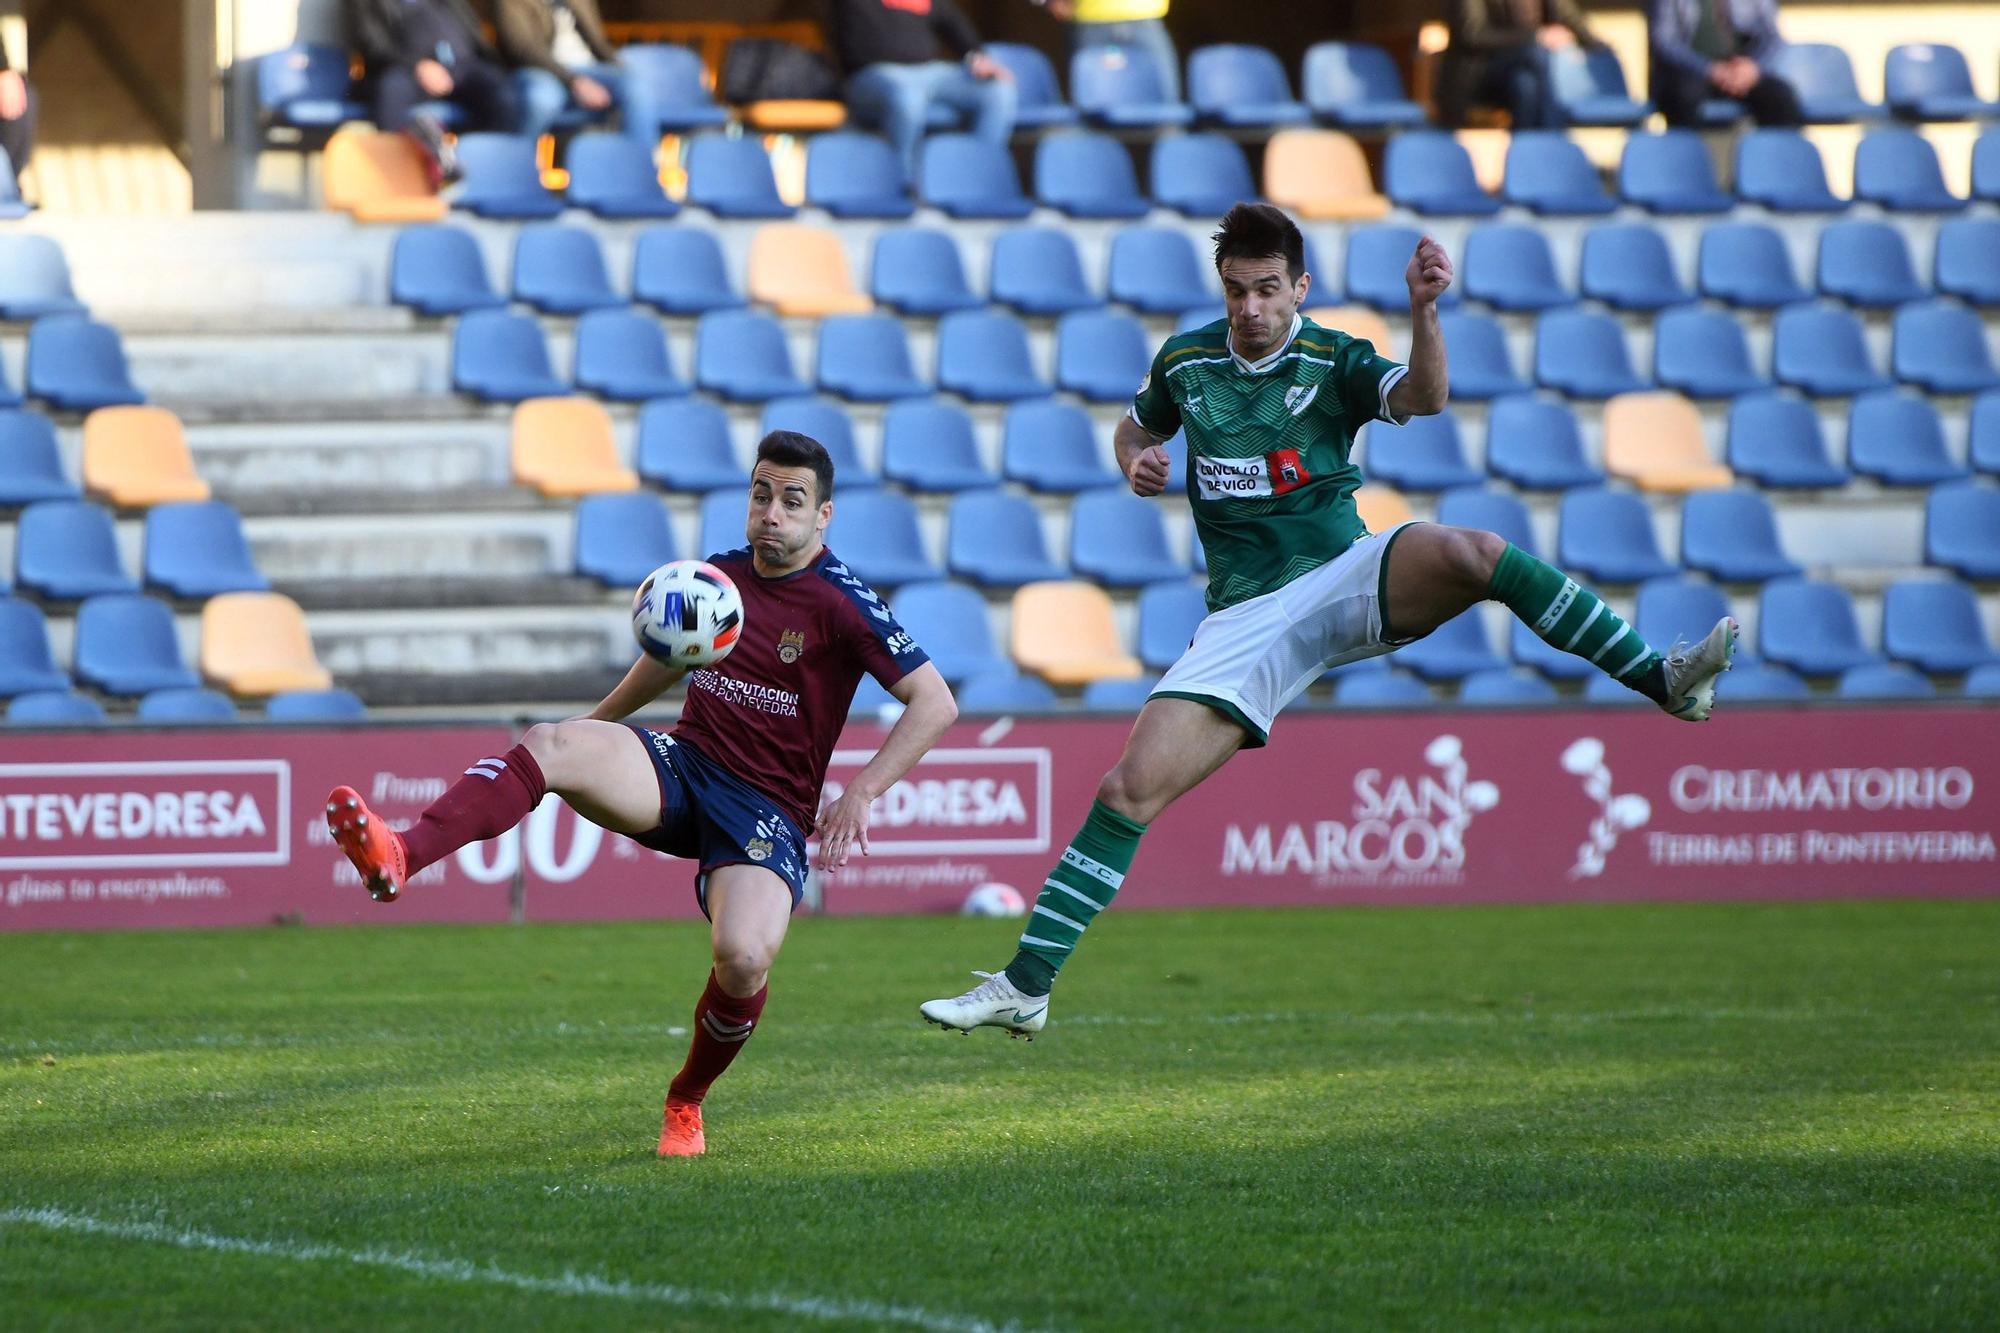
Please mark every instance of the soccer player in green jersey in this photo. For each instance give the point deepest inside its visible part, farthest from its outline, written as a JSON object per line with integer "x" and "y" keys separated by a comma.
{"x": 1270, "y": 403}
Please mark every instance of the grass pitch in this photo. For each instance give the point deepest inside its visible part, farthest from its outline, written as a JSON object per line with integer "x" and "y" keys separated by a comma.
{"x": 1613, "y": 1117}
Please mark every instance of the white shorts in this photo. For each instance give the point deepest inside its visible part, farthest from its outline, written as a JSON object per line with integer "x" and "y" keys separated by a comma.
{"x": 1251, "y": 659}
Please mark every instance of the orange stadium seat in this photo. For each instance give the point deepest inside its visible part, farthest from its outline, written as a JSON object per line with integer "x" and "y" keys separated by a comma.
{"x": 1321, "y": 174}
{"x": 256, "y": 643}
{"x": 1382, "y": 507}
{"x": 137, "y": 457}
{"x": 1654, "y": 441}
{"x": 1065, "y": 633}
{"x": 379, "y": 177}
{"x": 565, "y": 446}
{"x": 1487, "y": 147}
{"x": 800, "y": 270}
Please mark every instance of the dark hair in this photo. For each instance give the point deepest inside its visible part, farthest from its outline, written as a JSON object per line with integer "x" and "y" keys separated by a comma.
{"x": 1259, "y": 231}
{"x": 788, "y": 448}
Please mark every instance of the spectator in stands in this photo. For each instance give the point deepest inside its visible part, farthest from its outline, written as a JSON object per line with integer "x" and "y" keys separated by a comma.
{"x": 1717, "y": 48}
{"x": 561, "y": 57}
{"x": 890, "y": 51}
{"x": 1140, "y": 23}
{"x": 430, "y": 50}
{"x": 1499, "y": 56}
{"x": 17, "y": 113}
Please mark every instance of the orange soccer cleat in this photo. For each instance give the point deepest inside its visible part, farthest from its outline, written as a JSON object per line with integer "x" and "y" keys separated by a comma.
{"x": 375, "y": 849}
{"x": 680, "y": 1131}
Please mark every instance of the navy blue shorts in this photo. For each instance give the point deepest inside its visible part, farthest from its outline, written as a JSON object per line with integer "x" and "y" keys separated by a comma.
{"x": 712, "y": 817}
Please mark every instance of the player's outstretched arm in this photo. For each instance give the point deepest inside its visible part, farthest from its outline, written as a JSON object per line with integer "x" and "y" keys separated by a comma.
{"x": 646, "y": 681}
{"x": 928, "y": 710}
{"x": 1141, "y": 457}
{"x": 1424, "y": 390}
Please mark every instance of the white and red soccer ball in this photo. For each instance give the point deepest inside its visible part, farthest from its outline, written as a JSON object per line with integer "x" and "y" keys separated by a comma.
{"x": 687, "y": 613}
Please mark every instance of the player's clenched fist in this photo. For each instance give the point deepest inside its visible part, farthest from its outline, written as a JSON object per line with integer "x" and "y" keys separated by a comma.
{"x": 1149, "y": 471}
{"x": 1429, "y": 272}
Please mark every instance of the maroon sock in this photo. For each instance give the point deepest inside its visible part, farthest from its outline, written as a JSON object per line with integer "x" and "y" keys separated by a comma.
{"x": 492, "y": 797}
{"x": 722, "y": 1023}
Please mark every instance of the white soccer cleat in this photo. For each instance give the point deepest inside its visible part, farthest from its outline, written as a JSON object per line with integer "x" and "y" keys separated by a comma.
{"x": 993, "y": 1003}
{"x": 1691, "y": 672}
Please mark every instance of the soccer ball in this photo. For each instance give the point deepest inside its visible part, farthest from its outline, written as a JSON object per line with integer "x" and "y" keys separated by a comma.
{"x": 687, "y": 614}
{"x": 994, "y": 900}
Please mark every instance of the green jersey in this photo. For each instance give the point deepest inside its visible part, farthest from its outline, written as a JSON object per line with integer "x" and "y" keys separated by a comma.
{"x": 1270, "y": 472}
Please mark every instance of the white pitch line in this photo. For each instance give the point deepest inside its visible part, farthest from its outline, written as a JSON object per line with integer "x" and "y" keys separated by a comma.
{"x": 459, "y": 1270}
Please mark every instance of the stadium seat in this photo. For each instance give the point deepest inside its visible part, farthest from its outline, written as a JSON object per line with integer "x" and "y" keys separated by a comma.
{"x": 1503, "y": 686}
{"x": 1374, "y": 265}
{"x": 1051, "y": 446}
{"x": 66, "y": 550}
{"x": 1424, "y": 454}
{"x": 136, "y": 457}
{"x": 1453, "y": 650}
{"x": 8, "y": 396}
{"x": 1752, "y": 682}
{"x": 1241, "y": 87}
{"x": 78, "y": 364}
{"x": 1038, "y": 271}
{"x": 1481, "y": 366}
{"x": 949, "y": 620}
{"x": 1961, "y": 529}
{"x": 126, "y": 645}
{"x": 1986, "y": 165}
{"x": 724, "y": 522}
{"x": 567, "y": 447}
{"x": 1199, "y": 175}
{"x": 1867, "y": 263}
{"x": 378, "y": 177}
{"x": 1120, "y": 540}
{"x": 1065, "y": 633}
{"x": 928, "y": 445}
{"x": 1824, "y": 79}
{"x": 1983, "y": 433}
{"x": 31, "y": 465}
{"x": 1156, "y": 270}
{"x": 1704, "y": 353}
{"x": 1968, "y": 260}
{"x": 500, "y": 357}
{"x": 1608, "y": 535}
{"x": 829, "y": 423}
{"x": 1820, "y": 349}
{"x": 198, "y": 550}
{"x": 1898, "y": 169}
{"x": 1006, "y": 691}
{"x": 853, "y": 175}
{"x": 1087, "y": 175}
{"x": 1677, "y": 610}
{"x": 1380, "y": 507}
{"x": 680, "y": 271}
{"x": 34, "y": 278}
{"x": 1119, "y": 696}
{"x": 1321, "y": 174}
{"x": 1810, "y": 627}
{"x": 1101, "y": 355}
{"x": 966, "y": 177}
{"x": 879, "y": 540}
{"x": 1670, "y": 172}
{"x": 1590, "y": 88}
{"x": 620, "y": 539}
{"x": 1429, "y": 172}
{"x": 731, "y": 178}
{"x": 1581, "y": 354}
{"x": 315, "y": 706}
{"x": 675, "y": 84}
{"x": 1388, "y": 688}
{"x": 306, "y": 86}
{"x": 1733, "y": 536}
{"x": 186, "y": 706}
{"x": 1931, "y": 81}
{"x": 1654, "y": 441}
{"x": 256, "y": 643}
{"x": 1746, "y": 264}
{"x": 26, "y": 664}
{"x": 801, "y": 272}
{"x": 1983, "y": 682}
{"x": 983, "y": 355}
{"x": 742, "y": 355}
{"x": 866, "y": 358}
{"x": 502, "y": 179}
{"x": 437, "y": 270}
{"x": 613, "y": 176}
{"x": 684, "y": 445}
{"x": 1536, "y": 445}
{"x": 55, "y": 708}
{"x": 560, "y": 270}
{"x": 995, "y": 540}
{"x": 1941, "y": 347}
{"x": 1627, "y": 266}
{"x": 1886, "y": 680}
{"x": 1357, "y": 86}
{"x": 1169, "y": 614}
{"x": 1510, "y": 267}
{"x": 1491, "y": 510}
{"x": 1120, "y": 87}
{"x": 1548, "y": 174}
{"x": 1935, "y": 625}
{"x": 1897, "y": 438}
{"x": 1775, "y": 440}
{"x": 1038, "y": 99}
{"x": 1780, "y": 169}
{"x": 622, "y": 354}
{"x": 917, "y": 271}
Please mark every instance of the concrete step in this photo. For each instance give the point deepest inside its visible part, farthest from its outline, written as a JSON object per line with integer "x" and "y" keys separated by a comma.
{"x": 345, "y": 462}
{"x": 493, "y": 547}
{"x": 289, "y": 367}
{"x": 566, "y": 645}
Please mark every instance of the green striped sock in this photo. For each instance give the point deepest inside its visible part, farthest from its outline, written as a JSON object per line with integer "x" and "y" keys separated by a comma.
{"x": 1571, "y": 617}
{"x": 1082, "y": 884}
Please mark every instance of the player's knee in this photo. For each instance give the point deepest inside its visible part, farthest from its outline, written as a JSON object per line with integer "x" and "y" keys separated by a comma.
{"x": 555, "y": 746}
{"x": 741, "y": 968}
{"x": 1473, "y": 554}
{"x": 1125, "y": 791}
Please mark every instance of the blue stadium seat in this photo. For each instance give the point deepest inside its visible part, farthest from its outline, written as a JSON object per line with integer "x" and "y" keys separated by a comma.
{"x": 1934, "y": 624}
{"x": 1940, "y": 346}
{"x": 1424, "y": 454}
{"x": 1820, "y": 349}
{"x": 1590, "y": 88}
{"x": 1481, "y": 366}
{"x": 1780, "y": 169}
{"x": 437, "y": 270}
{"x": 1169, "y": 614}
{"x": 78, "y": 364}
{"x": 8, "y": 396}
{"x": 1887, "y": 680}
{"x": 34, "y": 278}
{"x": 970, "y": 178}
{"x": 1431, "y": 173}
{"x": 742, "y": 355}
{"x": 1896, "y": 437}
{"x": 307, "y": 86}
{"x": 1037, "y": 271}
{"x": 731, "y": 178}
{"x": 1968, "y": 260}
{"x": 613, "y": 176}
{"x": 1038, "y": 95}
{"x": 1810, "y": 627}
{"x": 31, "y": 466}
{"x": 1510, "y": 267}
{"x": 995, "y": 540}
{"x": 1983, "y": 682}
{"x": 1670, "y": 172}
{"x": 55, "y": 708}
{"x": 622, "y": 354}
{"x": 500, "y": 357}
{"x": 1931, "y": 81}
{"x": 1983, "y": 434}
{"x": 1201, "y": 317}
{"x": 186, "y": 706}
{"x": 1824, "y": 78}
{"x": 1986, "y": 165}
{"x": 1101, "y": 355}
{"x": 949, "y": 620}
{"x": 1381, "y": 689}
{"x": 1119, "y": 696}
{"x": 1775, "y": 440}
{"x": 1536, "y": 444}
{"x": 878, "y": 538}
{"x": 560, "y": 270}
{"x": 1898, "y": 169}
{"x": 1961, "y": 529}
{"x": 1677, "y": 609}
{"x": 829, "y": 423}
{"x": 11, "y": 204}
{"x": 1746, "y": 264}
{"x": 1608, "y": 535}
{"x": 1733, "y": 536}
{"x": 1453, "y": 650}
{"x": 1704, "y": 354}
{"x": 501, "y": 178}
{"x": 1119, "y": 539}
{"x": 126, "y": 644}
{"x": 1357, "y": 86}
{"x": 684, "y": 445}
{"x": 674, "y": 78}
{"x": 1867, "y": 263}
{"x": 1490, "y": 510}
{"x": 917, "y": 270}
{"x": 983, "y": 355}
{"x": 1087, "y": 175}
{"x": 621, "y": 538}
{"x": 866, "y": 358}
{"x": 26, "y": 664}
{"x": 1050, "y": 446}
{"x": 197, "y": 549}
{"x": 1502, "y": 686}
{"x": 1120, "y": 87}
{"x": 1200, "y": 175}
{"x": 1752, "y": 682}
{"x": 1627, "y": 265}
{"x": 1156, "y": 269}
{"x": 853, "y": 175}
{"x": 1548, "y": 174}
{"x": 1581, "y": 353}
{"x": 1376, "y": 257}
{"x": 928, "y": 445}
{"x": 66, "y": 550}
{"x": 1242, "y": 87}
{"x": 724, "y": 521}
{"x": 1006, "y": 692}
{"x": 315, "y": 706}
{"x": 680, "y": 271}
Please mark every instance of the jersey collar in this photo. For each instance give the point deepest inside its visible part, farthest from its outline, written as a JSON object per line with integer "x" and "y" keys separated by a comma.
{"x": 1259, "y": 367}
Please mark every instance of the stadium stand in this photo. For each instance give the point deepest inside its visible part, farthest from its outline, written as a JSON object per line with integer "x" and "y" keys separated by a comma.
{"x": 983, "y": 355}
{"x": 853, "y": 175}
{"x": 559, "y": 270}
{"x": 1502, "y": 686}
{"x": 1934, "y": 625}
{"x": 27, "y": 665}
{"x": 437, "y": 270}
{"x": 801, "y": 273}
{"x": 1122, "y": 696}
{"x": 680, "y": 271}
{"x": 1241, "y": 87}
{"x": 1066, "y": 633}
{"x": 1388, "y": 688}
{"x": 949, "y": 619}
{"x": 77, "y": 364}
{"x": 928, "y": 446}
{"x": 1038, "y": 98}
{"x": 1986, "y": 166}
{"x": 1120, "y": 540}
{"x": 195, "y": 706}
{"x": 31, "y": 466}
{"x": 1967, "y": 260}
{"x": 1547, "y": 173}
{"x": 1481, "y": 365}
{"x": 1940, "y": 346}
{"x": 197, "y": 550}
{"x": 54, "y": 708}
{"x": 1357, "y": 86}
{"x": 1887, "y": 680}
{"x": 1931, "y": 81}
{"x": 731, "y": 178}
{"x": 1048, "y": 445}
{"x": 967, "y": 177}
{"x": 612, "y": 176}
{"x": 1430, "y": 173}
{"x": 1120, "y": 87}
{"x": 1628, "y": 266}
{"x": 1899, "y": 170}
{"x": 1753, "y": 681}
{"x": 1453, "y": 650}
{"x": 1824, "y": 79}
{"x": 1608, "y": 535}
{"x": 866, "y": 359}
{"x": 1535, "y": 444}
{"x": 1746, "y": 264}
{"x": 306, "y": 87}
{"x": 1373, "y": 269}
{"x": 1087, "y": 175}
{"x": 1732, "y": 536}
{"x": 676, "y": 85}
{"x": 66, "y": 550}
{"x": 1867, "y": 263}
{"x": 1654, "y": 440}
{"x": 1590, "y": 88}
{"x": 1896, "y": 438}
{"x": 1321, "y": 175}
{"x": 1983, "y": 433}
{"x": 567, "y": 447}
{"x": 1809, "y": 625}
{"x": 331, "y": 705}
{"x": 500, "y": 356}
{"x": 501, "y": 178}
{"x": 1822, "y": 350}
{"x": 879, "y": 539}
{"x": 1582, "y": 354}
{"x": 1101, "y": 355}
{"x": 917, "y": 271}
{"x": 1156, "y": 270}
{"x": 1704, "y": 353}
{"x": 136, "y": 457}
{"x": 742, "y": 356}
{"x": 829, "y": 423}
{"x": 1670, "y": 172}
{"x": 126, "y": 645}
{"x": 621, "y": 538}
{"x": 1961, "y": 529}
{"x": 622, "y": 354}
{"x": 995, "y": 540}
{"x": 256, "y": 643}
{"x": 684, "y": 445}
{"x": 1005, "y": 692}
{"x": 1424, "y": 454}
{"x": 34, "y": 279}
{"x": 1037, "y": 271}
{"x": 1510, "y": 267}
{"x": 378, "y": 177}
{"x": 1199, "y": 175}
{"x": 1783, "y": 171}
{"x": 1677, "y": 609}
{"x": 1168, "y": 615}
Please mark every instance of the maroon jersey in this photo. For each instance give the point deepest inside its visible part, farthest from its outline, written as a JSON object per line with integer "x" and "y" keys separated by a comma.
{"x": 771, "y": 711}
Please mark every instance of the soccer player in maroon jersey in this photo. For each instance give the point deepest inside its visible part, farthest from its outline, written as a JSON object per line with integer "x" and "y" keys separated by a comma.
{"x": 735, "y": 785}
